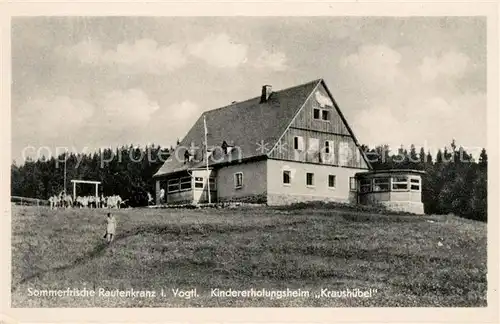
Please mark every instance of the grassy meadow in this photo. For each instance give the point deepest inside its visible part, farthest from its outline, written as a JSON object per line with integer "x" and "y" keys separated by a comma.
{"x": 411, "y": 261}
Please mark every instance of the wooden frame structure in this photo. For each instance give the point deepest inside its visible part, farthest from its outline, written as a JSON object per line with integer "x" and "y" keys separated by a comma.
{"x": 96, "y": 183}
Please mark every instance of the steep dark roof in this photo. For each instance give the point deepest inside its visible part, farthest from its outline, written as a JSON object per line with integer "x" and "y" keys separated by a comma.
{"x": 244, "y": 124}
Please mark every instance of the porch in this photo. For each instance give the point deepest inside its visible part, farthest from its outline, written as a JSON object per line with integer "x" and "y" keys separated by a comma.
{"x": 189, "y": 187}
{"x": 398, "y": 190}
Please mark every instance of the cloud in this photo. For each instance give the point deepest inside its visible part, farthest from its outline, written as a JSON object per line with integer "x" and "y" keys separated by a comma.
{"x": 142, "y": 56}
{"x": 48, "y": 118}
{"x": 146, "y": 56}
{"x": 180, "y": 115}
{"x": 430, "y": 122}
{"x": 183, "y": 111}
{"x": 219, "y": 51}
{"x": 274, "y": 61}
{"x": 450, "y": 64}
{"x": 377, "y": 64}
{"x": 411, "y": 100}
{"x": 119, "y": 117}
{"x": 128, "y": 108}
{"x": 87, "y": 52}
{"x": 171, "y": 122}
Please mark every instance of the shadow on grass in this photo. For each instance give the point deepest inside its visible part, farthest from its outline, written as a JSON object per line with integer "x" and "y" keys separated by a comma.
{"x": 312, "y": 205}
{"x": 178, "y": 230}
{"x": 201, "y": 229}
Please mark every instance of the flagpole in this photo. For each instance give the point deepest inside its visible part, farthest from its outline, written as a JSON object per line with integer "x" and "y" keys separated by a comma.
{"x": 206, "y": 158}
{"x": 65, "y": 152}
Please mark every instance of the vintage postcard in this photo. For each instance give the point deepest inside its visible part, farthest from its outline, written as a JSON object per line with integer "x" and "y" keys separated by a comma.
{"x": 296, "y": 156}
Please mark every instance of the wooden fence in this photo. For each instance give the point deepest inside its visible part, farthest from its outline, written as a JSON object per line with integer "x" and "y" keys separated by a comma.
{"x": 26, "y": 201}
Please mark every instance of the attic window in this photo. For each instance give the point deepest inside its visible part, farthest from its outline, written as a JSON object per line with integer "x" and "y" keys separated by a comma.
{"x": 209, "y": 154}
{"x": 321, "y": 114}
{"x": 316, "y": 113}
{"x": 187, "y": 157}
{"x": 226, "y": 148}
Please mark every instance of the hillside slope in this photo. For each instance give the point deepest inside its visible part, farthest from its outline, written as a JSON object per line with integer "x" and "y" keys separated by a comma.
{"x": 404, "y": 260}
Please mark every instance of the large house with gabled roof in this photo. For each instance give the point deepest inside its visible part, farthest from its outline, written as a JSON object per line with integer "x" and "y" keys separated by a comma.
{"x": 286, "y": 146}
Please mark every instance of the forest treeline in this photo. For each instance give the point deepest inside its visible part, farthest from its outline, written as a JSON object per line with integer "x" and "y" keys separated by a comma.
{"x": 453, "y": 183}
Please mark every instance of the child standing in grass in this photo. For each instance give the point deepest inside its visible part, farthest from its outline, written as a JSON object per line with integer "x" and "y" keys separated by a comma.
{"x": 110, "y": 228}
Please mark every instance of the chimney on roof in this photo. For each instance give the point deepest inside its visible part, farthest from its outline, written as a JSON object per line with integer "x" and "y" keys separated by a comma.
{"x": 266, "y": 92}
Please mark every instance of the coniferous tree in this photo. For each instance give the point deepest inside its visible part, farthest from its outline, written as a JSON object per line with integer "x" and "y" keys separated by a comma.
{"x": 439, "y": 157}
{"x": 422, "y": 156}
{"x": 483, "y": 158}
{"x": 428, "y": 159}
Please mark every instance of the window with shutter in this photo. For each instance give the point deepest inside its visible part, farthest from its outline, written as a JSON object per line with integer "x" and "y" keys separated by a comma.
{"x": 301, "y": 143}
{"x": 328, "y": 156}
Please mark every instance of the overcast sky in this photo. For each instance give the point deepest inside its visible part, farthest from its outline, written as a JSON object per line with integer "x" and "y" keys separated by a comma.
{"x": 101, "y": 82}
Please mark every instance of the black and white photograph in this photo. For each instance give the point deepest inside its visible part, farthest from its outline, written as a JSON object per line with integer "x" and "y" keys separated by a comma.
{"x": 249, "y": 161}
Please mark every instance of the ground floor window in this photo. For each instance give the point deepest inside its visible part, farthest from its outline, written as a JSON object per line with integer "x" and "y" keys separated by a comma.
{"x": 388, "y": 183}
{"x": 185, "y": 183}
{"x": 365, "y": 185}
{"x": 212, "y": 184}
{"x": 199, "y": 183}
{"x": 173, "y": 185}
{"x": 415, "y": 184}
{"x": 238, "y": 180}
{"x": 331, "y": 181}
{"x": 310, "y": 179}
{"x": 353, "y": 184}
{"x": 179, "y": 184}
{"x": 400, "y": 183}
{"x": 286, "y": 177}
{"x": 381, "y": 184}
